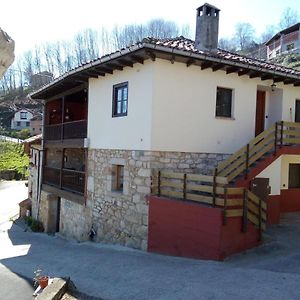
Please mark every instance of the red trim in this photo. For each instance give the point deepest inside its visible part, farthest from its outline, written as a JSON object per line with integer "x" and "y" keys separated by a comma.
{"x": 190, "y": 229}
{"x": 254, "y": 171}
{"x": 290, "y": 200}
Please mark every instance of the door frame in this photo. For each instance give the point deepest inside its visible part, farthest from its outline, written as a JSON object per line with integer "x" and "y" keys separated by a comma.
{"x": 260, "y": 111}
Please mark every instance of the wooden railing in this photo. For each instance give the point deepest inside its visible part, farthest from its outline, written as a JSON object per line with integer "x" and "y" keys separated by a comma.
{"x": 211, "y": 190}
{"x": 278, "y": 135}
{"x": 65, "y": 179}
{"x": 67, "y": 130}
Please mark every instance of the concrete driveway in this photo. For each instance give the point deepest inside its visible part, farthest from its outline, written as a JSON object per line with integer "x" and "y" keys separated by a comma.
{"x": 11, "y": 193}
{"x": 113, "y": 272}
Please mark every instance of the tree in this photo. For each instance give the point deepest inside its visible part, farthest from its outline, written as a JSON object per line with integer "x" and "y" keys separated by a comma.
{"x": 288, "y": 18}
{"x": 269, "y": 32}
{"x": 244, "y": 35}
{"x": 227, "y": 44}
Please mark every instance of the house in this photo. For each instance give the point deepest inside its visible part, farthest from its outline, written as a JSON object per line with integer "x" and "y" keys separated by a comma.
{"x": 157, "y": 145}
{"x": 21, "y": 119}
{"x": 287, "y": 40}
{"x": 36, "y": 123}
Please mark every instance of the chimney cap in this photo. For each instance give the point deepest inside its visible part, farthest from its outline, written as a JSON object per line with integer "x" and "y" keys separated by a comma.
{"x": 208, "y": 5}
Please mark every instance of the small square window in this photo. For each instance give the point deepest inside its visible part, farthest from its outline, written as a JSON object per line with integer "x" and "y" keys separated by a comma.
{"x": 27, "y": 124}
{"x": 120, "y": 99}
{"x": 224, "y": 103}
{"x": 117, "y": 178}
{"x": 23, "y": 115}
{"x": 18, "y": 123}
{"x": 290, "y": 46}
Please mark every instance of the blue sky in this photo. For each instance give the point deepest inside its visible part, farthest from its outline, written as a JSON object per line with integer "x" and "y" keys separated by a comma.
{"x": 34, "y": 22}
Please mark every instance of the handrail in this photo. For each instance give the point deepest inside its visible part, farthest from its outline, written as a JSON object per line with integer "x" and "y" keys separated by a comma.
{"x": 234, "y": 201}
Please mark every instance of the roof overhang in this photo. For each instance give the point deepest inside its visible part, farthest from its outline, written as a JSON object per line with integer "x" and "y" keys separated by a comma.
{"x": 139, "y": 53}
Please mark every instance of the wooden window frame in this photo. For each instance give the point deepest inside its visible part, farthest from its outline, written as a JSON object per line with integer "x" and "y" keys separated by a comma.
{"x": 117, "y": 184}
{"x": 219, "y": 114}
{"x": 115, "y": 101}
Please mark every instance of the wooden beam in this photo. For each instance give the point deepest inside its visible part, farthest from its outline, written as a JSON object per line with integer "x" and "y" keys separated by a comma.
{"x": 137, "y": 58}
{"x": 297, "y": 83}
{"x": 243, "y": 72}
{"x": 125, "y": 62}
{"x": 115, "y": 66}
{"x": 172, "y": 59}
{"x": 206, "y": 65}
{"x": 94, "y": 71}
{"x": 189, "y": 62}
{"x": 104, "y": 70}
{"x": 278, "y": 79}
{"x": 289, "y": 81}
{"x": 231, "y": 70}
{"x": 151, "y": 55}
{"x": 254, "y": 75}
{"x": 91, "y": 74}
{"x": 217, "y": 67}
{"x": 266, "y": 77}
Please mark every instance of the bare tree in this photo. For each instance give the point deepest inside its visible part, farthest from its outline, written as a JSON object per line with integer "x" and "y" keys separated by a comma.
{"x": 244, "y": 35}
{"x": 289, "y": 17}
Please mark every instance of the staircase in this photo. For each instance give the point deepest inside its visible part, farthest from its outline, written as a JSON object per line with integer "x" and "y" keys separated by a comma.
{"x": 228, "y": 188}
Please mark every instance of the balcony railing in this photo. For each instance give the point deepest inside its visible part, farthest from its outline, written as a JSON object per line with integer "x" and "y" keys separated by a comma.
{"x": 65, "y": 179}
{"x": 67, "y": 130}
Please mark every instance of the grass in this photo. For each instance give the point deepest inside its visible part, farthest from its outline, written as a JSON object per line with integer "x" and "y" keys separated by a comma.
{"x": 12, "y": 157}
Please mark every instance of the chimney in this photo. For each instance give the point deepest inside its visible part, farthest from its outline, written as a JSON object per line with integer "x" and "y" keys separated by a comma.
{"x": 207, "y": 28}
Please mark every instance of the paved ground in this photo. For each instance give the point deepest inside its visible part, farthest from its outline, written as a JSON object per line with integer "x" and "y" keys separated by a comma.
{"x": 270, "y": 272}
{"x": 11, "y": 193}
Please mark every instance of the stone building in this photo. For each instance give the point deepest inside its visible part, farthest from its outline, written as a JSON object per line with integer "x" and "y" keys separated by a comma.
{"x": 170, "y": 104}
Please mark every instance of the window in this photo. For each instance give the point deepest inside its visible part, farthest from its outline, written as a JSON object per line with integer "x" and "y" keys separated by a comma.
{"x": 120, "y": 99}
{"x": 224, "y": 102}
{"x": 290, "y": 47}
{"x": 23, "y": 115}
{"x": 294, "y": 176}
{"x": 117, "y": 178}
{"x": 18, "y": 123}
{"x": 27, "y": 124}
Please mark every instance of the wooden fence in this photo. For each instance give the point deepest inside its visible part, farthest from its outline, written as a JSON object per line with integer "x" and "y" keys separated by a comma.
{"x": 278, "y": 135}
{"x": 211, "y": 190}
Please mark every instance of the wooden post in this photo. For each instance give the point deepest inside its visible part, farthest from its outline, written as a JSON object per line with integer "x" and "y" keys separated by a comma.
{"x": 158, "y": 183}
{"x": 245, "y": 211}
{"x": 225, "y": 207}
{"x": 62, "y": 117}
{"x": 61, "y": 168}
{"x": 260, "y": 217}
{"x": 275, "y": 142}
{"x": 215, "y": 186}
{"x": 247, "y": 161}
{"x": 184, "y": 186}
{"x": 281, "y": 133}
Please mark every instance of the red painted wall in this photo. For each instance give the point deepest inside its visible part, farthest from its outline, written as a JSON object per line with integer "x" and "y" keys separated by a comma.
{"x": 290, "y": 200}
{"x": 193, "y": 230}
{"x": 273, "y": 209}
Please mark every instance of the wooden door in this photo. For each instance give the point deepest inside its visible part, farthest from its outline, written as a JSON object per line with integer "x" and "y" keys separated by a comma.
{"x": 260, "y": 112}
{"x": 297, "y": 111}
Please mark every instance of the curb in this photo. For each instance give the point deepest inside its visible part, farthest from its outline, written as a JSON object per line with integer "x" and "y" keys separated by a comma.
{"x": 55, "y": 290}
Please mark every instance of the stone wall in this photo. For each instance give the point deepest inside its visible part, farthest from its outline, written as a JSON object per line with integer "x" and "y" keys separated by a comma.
{"x": 122, "y": 217}
{"x": 75, "y": 220}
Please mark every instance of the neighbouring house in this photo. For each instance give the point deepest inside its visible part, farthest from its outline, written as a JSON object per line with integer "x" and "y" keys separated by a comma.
{"x": 33, "y": 148}
{"x": 287, "y": 40}
{"x": 21, "y": 119}
{"x": 36, "y": 123}
{"x": 171, "y": 145}
{"x": 7, "y": 47}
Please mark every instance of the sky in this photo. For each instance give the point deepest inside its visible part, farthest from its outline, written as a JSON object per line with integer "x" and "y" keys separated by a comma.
{"x": 34, "y": 22}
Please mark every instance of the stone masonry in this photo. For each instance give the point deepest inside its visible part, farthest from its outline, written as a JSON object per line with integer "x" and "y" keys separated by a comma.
{"x": 122, "y": 217}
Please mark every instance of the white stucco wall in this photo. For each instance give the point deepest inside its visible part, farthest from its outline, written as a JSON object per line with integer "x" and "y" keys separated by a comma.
{"x": 278, "y": 173}
{"x": 171, "y": 107}
{"x": 128, "y": 132}
{"x": 184, "y": 107}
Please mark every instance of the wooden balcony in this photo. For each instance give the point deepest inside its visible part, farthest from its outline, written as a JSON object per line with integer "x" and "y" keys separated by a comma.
{"x": 66, "y": 131}
{"x": 65, "y": 179}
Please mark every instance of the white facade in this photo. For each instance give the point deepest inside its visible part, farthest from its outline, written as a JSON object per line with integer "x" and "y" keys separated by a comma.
{"x": 172, "y": 108}
{"x": 21, "y": 119}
